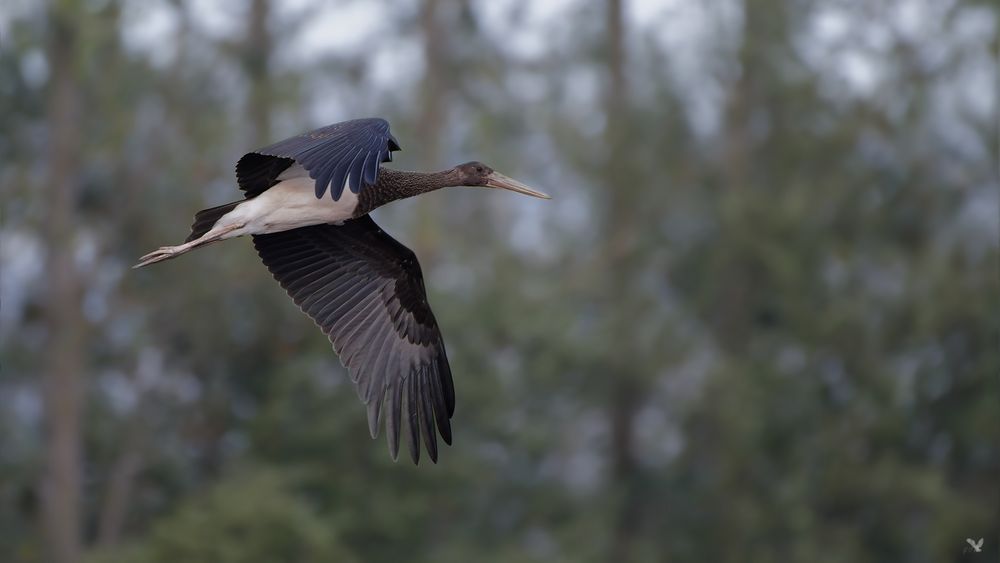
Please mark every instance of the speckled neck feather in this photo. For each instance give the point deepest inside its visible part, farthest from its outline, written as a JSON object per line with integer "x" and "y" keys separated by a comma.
{"x": 397, "y": 184}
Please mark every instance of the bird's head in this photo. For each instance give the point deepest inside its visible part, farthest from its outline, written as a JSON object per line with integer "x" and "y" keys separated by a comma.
{"x": 478, "y": 174}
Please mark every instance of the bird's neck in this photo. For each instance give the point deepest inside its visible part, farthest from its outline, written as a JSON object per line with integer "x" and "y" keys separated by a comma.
{"x": 399, "y": 184}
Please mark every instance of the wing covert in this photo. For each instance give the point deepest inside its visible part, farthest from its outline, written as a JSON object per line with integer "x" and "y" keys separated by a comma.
{"x": 345, "y": 153}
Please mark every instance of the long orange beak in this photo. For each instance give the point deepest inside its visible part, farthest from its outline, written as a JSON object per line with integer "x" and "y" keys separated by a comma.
{"x": 498, "y": 180}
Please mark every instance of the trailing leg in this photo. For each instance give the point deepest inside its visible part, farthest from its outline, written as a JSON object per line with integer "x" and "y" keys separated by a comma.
{"x": 168, "y": 252}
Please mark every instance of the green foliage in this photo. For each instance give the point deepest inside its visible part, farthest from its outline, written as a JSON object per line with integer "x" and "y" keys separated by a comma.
{"x": 252, "y": 516}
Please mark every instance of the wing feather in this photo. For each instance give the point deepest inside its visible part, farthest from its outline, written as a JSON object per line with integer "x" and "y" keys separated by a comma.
{"x": 412, "y": 424}
{"x": 345, "y": 153}
{"x": 395, "y": 414}
{"x": 426, "y": 411}
{"x": 365, "y": 291}
{"x": 369, "y": 377}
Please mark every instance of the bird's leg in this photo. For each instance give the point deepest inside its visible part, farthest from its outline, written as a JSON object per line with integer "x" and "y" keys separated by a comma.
{"x": 168, "y": 252}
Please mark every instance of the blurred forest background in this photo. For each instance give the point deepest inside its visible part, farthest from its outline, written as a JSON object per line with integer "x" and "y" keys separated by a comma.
{"x": 758, "y": 322}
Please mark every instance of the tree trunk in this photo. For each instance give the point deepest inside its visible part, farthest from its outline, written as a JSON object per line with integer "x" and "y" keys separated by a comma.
{"x": 763, "y": 23}
{"x": 430, "y": 124}
{"x": 121, "y": 481}
{"x": 257, "y": 48}
{"x": 65, "y": 358}
{"x": 431, "y": 117}
{"x": 626, "y": 392}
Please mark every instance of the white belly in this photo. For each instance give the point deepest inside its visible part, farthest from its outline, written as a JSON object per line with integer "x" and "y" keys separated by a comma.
{"x": 289, "y": 204}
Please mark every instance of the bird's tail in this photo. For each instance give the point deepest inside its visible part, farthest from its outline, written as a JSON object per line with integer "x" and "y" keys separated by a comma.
{"x": 204, "y": 220}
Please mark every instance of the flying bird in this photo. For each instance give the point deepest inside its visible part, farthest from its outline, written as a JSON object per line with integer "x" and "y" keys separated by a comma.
{"x": 306, "y": 205}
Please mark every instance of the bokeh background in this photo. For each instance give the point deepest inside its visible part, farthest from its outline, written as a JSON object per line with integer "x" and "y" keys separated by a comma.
{"x": 758, "y": 322}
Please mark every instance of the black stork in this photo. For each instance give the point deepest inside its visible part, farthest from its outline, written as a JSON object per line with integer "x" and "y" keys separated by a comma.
{"x": 306, "y": 205}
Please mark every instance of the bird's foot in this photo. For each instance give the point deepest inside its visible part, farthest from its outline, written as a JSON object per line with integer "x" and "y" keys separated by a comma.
{"x": 168, "y": 252}
{"x": 159, "y": 255}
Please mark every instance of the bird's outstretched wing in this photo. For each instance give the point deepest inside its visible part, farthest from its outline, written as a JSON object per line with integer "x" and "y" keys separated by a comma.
{"x": 366, "y": 292}
{"x": 348, "y": 152}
